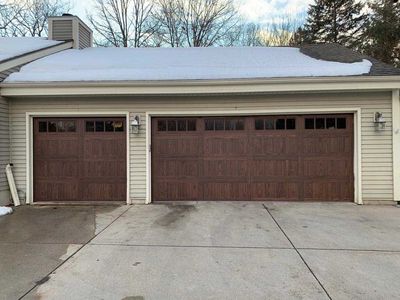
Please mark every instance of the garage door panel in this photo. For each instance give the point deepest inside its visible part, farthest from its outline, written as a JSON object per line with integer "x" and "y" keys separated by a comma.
{"x": 223, "y": 191}
{"x": 275, "y": 191}
{"x": 269, "y": 144}
{"x": 177, "y": 168}
{"x": 59, "y": 191}
{"x": 182, "y": 190}
{"x": 225, "y": 146}
{"x": 57, "y": 169}
{"x": 265, "y": 168}
{"x": 99, "y": 148}
{"x": 226, "y": 168}
{"x": 327, "y": 191}
{"x": 336, "y": 168}
{"x": 178, "y": 146}
{"x": 327, "y": 145}
{"x": 107, "y": 169}
{"x": 64, "y": 148}
{"x": 105, "y": 191}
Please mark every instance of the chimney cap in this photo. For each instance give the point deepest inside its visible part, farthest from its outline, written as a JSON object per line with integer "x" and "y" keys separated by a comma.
{"x": 67, "y": 15}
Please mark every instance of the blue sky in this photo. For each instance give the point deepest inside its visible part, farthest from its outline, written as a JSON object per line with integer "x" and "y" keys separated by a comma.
{"x": 263, "y": 11}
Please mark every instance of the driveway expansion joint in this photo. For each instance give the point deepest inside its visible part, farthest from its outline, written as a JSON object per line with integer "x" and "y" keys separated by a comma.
{"x": 243, "y": 247}
{"x": 33, "y": 243}
{"x": 46, "y": 278}
{"x": 298, "y": 252}
{"x": 350, "y": 250}
{"x": 192, "y": 246}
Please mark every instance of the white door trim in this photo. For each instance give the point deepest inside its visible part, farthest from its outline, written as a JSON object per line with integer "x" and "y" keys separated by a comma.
{"x": 29, "y": 143}
{"x": 358, "y": 198}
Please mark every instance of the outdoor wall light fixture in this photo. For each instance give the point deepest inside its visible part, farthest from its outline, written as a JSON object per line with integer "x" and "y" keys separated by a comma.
{"x": 379, "y": 121}
{"x": 135, "y": 124}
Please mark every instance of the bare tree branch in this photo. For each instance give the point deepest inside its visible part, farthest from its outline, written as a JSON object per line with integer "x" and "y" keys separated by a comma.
{"x": 195, "y": 23}
{"x": 170, "y": 24}
{"x": 8, "y": 16}
{"x": 123, "y": 23}
{"x": 32, "y": 16}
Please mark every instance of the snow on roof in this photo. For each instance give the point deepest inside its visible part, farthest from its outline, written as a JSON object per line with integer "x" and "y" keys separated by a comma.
{"x": 119, "y": 64}
{"x": 15, "y": 46}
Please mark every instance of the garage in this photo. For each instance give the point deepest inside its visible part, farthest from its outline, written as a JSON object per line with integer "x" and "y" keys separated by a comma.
{"x": 258, "y": 158}
{"x": 79, "y": 159}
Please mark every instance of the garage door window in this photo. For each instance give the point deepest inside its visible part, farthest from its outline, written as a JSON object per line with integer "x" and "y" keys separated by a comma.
{"x": 325, "y": 123}
{"x": 57, "y": 126}
{"x": 42, "y": 126}
{"x": 223, "y": 124}
{"x": 278, "y": 124}
{"x": 341, "y": 123}
{"x": 176, "y": 125}
{"x": 104, "y": 126}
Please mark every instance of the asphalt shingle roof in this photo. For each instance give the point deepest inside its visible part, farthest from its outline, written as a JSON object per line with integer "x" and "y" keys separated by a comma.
{"x": 339, "y": 53}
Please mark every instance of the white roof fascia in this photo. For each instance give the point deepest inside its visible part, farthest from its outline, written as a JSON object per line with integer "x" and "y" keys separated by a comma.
{"x": 199, "y": 87}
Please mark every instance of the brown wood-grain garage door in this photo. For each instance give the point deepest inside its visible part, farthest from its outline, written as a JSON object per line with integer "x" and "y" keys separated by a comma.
{"x": 292, "y": 158}
{"x": 79, "y": 159}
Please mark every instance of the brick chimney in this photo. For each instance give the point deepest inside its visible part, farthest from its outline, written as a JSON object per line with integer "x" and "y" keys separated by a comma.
{"x": 70, "y": 28}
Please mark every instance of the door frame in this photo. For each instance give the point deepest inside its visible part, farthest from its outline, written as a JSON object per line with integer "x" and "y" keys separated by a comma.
{"x": 356, "y": 111}
{"x": 29, "y": 116}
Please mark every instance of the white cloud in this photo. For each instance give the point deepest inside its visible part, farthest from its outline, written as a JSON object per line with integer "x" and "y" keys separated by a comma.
{"x": 80, "y": 7}
{"x": 298, "y": 6}
{"x": 255, "y": 9}
{"x": 266, "y": 10}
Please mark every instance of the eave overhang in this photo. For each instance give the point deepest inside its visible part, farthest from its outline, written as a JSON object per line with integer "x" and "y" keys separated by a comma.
{"x": 34, "y": 55}
{"x": 201, "y": 87}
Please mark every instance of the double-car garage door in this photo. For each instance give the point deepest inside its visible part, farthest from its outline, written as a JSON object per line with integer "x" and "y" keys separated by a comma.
{"x": 305, "y": 158}
{"x": 295, "y": 158}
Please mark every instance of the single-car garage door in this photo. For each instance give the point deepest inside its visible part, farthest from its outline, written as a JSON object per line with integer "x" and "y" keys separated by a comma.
{"x": 292, "y": 158}
{"x": 79, "y": 159}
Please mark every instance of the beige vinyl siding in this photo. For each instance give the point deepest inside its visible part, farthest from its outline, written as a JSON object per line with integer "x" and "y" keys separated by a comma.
{"x": 376, "y": 160}
{"x": 84, "y": 37}
{"x": 4, "y": 150}
{"x": 62, "y": 30}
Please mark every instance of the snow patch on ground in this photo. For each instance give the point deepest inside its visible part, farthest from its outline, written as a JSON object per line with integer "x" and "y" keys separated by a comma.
{"x": 5, "y": 210}
{"x": 15, "y": 46}
{"x": 112, "y": 64}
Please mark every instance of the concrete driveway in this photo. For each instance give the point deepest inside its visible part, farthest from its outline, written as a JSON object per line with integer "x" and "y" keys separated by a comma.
{"x": 202, "y": 251}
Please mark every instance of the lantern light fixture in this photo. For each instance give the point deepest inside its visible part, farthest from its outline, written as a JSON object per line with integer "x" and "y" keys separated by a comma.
{"x": 379, "y": 121}
{"x": 135, "y": 124}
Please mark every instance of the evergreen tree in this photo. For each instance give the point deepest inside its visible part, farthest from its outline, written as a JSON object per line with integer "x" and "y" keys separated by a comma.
{"x": 334, "y": 21}
{"x": 299, "y": 37}
{"x": 382, "y": 38}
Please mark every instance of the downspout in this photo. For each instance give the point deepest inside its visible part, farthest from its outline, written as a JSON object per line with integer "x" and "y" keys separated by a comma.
{"x": 11, "y": 184}
{"x": 9, "y": 174}
{"x": 396, "y": 144}
{"x": 9, "y": 131}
